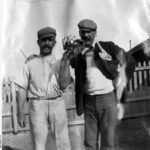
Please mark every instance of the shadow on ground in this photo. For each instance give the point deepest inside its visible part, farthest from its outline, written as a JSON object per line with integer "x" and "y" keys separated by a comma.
{"x": 133, "y": 134}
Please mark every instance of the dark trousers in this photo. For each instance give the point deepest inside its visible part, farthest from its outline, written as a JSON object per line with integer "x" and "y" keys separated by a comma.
{"x": 100, "y": 118}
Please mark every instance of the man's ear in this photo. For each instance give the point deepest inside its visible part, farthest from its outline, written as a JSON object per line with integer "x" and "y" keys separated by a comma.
{"x": 38, "y": 42}
{"x": 79, "y": 33}
{"x": 55, "y": 42}
{"x": 95, "y": 33}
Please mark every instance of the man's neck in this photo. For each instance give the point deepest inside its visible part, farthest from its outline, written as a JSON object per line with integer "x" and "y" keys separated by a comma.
{"x": 88, "y": 48}
{"x": 46, "y": 55}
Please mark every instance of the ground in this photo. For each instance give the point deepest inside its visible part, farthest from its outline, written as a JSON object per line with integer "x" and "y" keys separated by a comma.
{"x": 131, "y": 134}
{"x": 134, "y": 134}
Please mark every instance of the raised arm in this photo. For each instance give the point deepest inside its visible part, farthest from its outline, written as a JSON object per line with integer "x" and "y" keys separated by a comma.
{"x": 64, "y": 74}
{"x": 71, "y": 52}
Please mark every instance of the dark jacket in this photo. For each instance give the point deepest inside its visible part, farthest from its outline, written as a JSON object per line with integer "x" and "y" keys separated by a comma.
{"x": 108, "y": 68}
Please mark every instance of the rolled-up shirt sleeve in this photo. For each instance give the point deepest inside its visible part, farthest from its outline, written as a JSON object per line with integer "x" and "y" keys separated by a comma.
{"x": 22, "y": 79}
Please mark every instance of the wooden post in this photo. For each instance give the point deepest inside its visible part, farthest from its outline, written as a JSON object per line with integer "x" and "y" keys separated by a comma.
{"x": 14, "y": 107}
{"x": 130, "y": 45}
{"x": 149, "y": 74}
{"x": 135, "y": 80}
{"x": 145, "y": 75}
{"x": 130, "y": 86}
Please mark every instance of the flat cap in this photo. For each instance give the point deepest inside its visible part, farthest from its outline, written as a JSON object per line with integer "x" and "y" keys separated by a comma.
{"x": 87, "y": 24}
{"x": 46, "y": 32}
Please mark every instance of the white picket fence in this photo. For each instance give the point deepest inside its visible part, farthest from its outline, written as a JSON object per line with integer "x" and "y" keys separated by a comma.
{"x": 139, "y": 85}
{"x": 138, "y": 101}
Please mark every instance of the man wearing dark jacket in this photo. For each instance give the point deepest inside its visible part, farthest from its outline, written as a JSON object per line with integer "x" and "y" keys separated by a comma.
{"x": 98, "y": 67}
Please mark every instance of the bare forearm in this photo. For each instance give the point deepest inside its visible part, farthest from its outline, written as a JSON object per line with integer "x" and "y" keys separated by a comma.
{"x": 64, "y": 74}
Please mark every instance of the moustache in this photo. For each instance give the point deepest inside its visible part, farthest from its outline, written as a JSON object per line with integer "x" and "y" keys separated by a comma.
{"x": 47, "y": 46}
{"x": 85, "y": 38}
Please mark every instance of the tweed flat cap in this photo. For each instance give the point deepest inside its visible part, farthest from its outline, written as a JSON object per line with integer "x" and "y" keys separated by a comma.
{"x": 46, "y": 32}
{"x": 87, "y": 24}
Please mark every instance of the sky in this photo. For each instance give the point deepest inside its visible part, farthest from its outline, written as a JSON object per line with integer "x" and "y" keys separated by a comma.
{"x": 118, "y": 20}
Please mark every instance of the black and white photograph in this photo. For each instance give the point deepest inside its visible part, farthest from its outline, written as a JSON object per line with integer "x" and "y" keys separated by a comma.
{"x": 75, "y": 75}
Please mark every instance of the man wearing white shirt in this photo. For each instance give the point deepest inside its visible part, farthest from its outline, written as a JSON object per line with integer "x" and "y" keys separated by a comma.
{"x": 39, "y": 81}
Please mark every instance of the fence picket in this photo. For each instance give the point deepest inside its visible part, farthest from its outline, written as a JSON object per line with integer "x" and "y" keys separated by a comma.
{"x": 140, "y": 76}
{"x": 130, "y": 86}
{"x": 145, "y": 74}
{"x": 135, "y": 80}
{"x": 149, "y": 74}
{"x": 14, "y": 107}
{"x": 6, "y": 109}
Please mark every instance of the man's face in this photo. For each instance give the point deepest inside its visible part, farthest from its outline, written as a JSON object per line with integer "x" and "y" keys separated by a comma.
{"x": 46, "y": 45}
{"x": 87, "y": 36}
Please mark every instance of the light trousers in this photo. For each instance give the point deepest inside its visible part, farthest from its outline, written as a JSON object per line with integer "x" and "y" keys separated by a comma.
{"x": 45, "y": 114}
